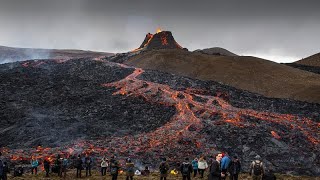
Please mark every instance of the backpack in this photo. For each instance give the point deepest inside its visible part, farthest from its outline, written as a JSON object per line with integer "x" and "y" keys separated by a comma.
{"x": 113, "y": 170}
{"x": 163, "y": 168}
{"x": 185, "y": 169}
{"x": 257, "y": 168}
{"x": 130, "y": 169}
{"x": 65, "y": 162}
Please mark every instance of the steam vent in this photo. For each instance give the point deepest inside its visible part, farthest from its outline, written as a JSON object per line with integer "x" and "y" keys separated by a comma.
{"x": 160, "y": 40}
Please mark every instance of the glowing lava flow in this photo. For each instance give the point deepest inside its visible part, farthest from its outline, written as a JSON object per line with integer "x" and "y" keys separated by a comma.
{"x": 185, "y": 116}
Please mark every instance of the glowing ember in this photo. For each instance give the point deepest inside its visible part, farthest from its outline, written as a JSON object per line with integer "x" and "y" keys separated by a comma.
{"x": 158, "y": 30}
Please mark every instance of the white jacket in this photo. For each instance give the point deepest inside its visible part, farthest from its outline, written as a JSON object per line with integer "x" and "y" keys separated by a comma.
{"x": 104, "y": 163}
{"x": 202, "y": 164}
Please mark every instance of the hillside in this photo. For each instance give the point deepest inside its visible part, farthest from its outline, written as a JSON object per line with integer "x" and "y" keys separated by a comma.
{"x": 313, "y": 60}
{"x": 216, "y": 51}
{"x": 248, "y": 73}
{"x": 11, "y": 54}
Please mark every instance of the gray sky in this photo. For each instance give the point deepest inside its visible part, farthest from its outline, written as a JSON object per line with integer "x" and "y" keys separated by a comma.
{"x": 279, "y": 30}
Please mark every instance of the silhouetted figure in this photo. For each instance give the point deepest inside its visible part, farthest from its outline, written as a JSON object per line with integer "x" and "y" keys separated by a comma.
{"x": 64, "y": 167}
{"x": 164, "y": 169}
{"x": 114, "y": 168}
{"x": 129, "y": 169}
{"x": 235, "y": 168}
{"x": 79, "y": 166}
{"x": 88, "y": 164}
{"x": 18, "y": 171}
{"x": 146, "y": 171}
{"x": 186, "y": 170}
{"x": 46, "y": 165}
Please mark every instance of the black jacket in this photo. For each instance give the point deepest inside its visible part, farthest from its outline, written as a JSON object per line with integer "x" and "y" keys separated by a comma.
{"x": 215, "y": 172}
{"x": 235, "y": 167}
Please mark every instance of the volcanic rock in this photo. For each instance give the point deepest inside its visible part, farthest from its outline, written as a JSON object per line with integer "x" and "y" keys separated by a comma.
{"x": 160, "y": 40}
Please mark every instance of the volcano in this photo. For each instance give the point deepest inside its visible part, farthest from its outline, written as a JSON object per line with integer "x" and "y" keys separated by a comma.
{"x": 159, "y": 40}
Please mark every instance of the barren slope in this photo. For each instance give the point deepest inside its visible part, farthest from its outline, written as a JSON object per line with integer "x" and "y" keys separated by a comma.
{"x": 313, "y": 60}
{"x": 249, "y": 73}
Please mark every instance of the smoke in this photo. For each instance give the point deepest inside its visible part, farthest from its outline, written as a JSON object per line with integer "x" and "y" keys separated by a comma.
{"x": 9, "y": 55}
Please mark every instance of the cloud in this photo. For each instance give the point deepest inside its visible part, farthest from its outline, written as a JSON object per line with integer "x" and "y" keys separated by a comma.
{"x": 117, "y": 26}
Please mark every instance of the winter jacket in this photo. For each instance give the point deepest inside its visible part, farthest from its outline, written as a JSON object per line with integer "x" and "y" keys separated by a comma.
{"x": 34, "y": 163}
{"x": 46, "y": 164}
{"x": 186, "y": 165}
{"x": 235, "y": 167}
{"x": 79, "y": 163}
{"x": 130, "y": 169}
{"x": 164, "y": 169}
{"x": 194, "y": 164}
{"x": 215, "y": 172}
{"x": 114, "y": 166}
{"x": 225, "y": 162}
{"x": 104, "y": 163}
{"x": 202, "y": 164}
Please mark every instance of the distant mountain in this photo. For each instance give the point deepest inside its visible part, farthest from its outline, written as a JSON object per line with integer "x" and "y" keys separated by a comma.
{"x": 12, "y": 54}
{"x": 313, "y": 60}
{"x": 244, "y": 72}
{"x": 216, "y": 51}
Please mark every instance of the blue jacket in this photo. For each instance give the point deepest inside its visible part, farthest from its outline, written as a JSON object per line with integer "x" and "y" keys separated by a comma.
{"x": 225, "y": 162}
{"x": 34, "y": 163}
{"x": 194, "y": 164}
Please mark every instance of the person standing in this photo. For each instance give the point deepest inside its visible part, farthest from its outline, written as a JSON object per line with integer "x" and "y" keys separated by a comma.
{"x": 195, "y": 166}
{"x": 257, "y": 168}
{"x": 88, "y": 164}
{"x": 1, "y": 166}
{"x": 202, "y": 166}
{"x": 215, "y": 171}
{"x": 46, "y": 165}
{"x": 64, "y": 168}
{"x": 114, "y": 167}
{"x": 164, "y": 169}
{"x": 129, "y": 169}
{"x": 225, "y": 163}
{"x": 5, "y": 171}
{"x": 79, "y": 166}
{"x": 34, "y": 165}
{"x": 186, "y": 170}
{"x": 235, "y": 168}
{"x": 104, "y": 165}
